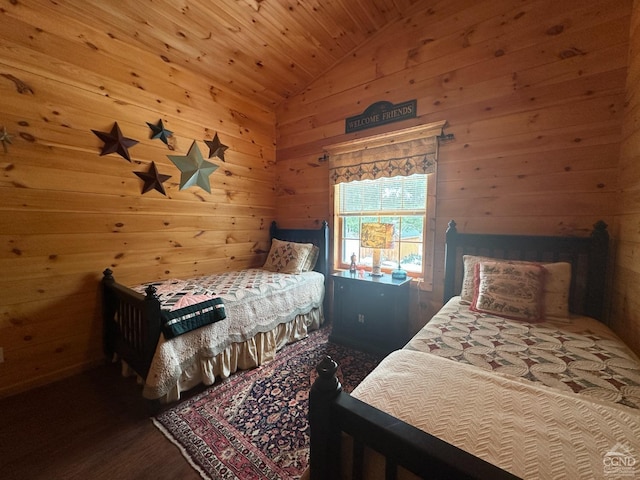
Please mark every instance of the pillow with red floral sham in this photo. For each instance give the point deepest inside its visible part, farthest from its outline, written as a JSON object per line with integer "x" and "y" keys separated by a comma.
{"x": 287, "y": 257}
{"x": 510, "y": 290}
{"x": 556, "y": 287}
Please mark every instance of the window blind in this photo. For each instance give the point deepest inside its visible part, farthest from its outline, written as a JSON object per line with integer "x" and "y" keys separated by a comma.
{"x": 403, "y": 153}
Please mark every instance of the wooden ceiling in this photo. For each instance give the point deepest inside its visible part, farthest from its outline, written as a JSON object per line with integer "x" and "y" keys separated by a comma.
{"x": 266, "y": 50}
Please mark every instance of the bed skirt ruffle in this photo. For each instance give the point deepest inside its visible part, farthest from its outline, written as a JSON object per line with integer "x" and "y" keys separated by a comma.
{"x": 251, "y": 353}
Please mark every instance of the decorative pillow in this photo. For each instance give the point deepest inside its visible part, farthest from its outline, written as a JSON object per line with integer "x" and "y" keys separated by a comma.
{"x": 557, "y": 284}
{"x": 287, "y": 257}
{"x": 510, "y": 290}
{"x": 469, "y": 263}
{"x": 556, "y": 289}
{"x": 311, "y": 259}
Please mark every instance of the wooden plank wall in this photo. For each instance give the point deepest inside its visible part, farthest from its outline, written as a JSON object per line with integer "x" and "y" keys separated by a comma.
{"x": 625, "y": 311}
{"x": 533, "y": 92}
{"x": 66, "y": 213}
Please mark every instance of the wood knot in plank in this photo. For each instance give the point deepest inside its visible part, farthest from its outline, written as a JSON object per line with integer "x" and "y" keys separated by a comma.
{"x": 27, "y": 136}
{"x": 21, "y": 86}
{"x": 555, "y": 30}
{"x": 571, "y": 52}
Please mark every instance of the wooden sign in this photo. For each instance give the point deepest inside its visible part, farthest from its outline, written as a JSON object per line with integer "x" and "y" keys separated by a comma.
{"x": 381, "y": 113}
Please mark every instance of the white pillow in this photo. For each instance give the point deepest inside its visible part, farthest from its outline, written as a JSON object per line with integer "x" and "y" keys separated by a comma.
{"x": 312, "y": 259}
{"x": 556, "y": 287}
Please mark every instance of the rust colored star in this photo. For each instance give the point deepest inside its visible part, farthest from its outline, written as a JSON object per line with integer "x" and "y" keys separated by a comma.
{"x": 152, "y": 179}
{"x": 216, "y": 148}
{"x": 115, "y": 142}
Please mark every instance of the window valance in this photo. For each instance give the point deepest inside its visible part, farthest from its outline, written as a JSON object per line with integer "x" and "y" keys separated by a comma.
{"x": 404, "y": 152}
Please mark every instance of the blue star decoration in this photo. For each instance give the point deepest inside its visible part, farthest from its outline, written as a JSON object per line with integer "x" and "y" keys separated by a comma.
{"x": 216, "y": 148}
{"x": 152, "y": 179}
{"x": 115, "y": 142}
{"x": 195, "y": 169}
{"x": 158, "y": 131}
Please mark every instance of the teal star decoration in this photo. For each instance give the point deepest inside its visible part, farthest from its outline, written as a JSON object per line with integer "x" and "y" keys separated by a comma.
{"x": 195, "y": 169}
{"x": 153, "y": 179}
{"x": 5, "y": 139}
{"x": 158, "y": 131}
{"x": 216, "y": 148}
{"x": 115, "y": 142}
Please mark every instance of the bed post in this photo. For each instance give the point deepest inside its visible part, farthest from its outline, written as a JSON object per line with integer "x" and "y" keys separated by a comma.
{"x": 324, "y": 435}
{"x": 108, "y": 312}
{"x": 323, "y": 268}
{"x": 150, "y": 328}
{"x": 450, "y": 261}
{"x": 598, "y": 260}
{"x": 323, "y": 258}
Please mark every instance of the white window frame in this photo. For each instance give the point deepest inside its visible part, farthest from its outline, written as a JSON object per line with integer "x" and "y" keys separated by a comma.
{"x": 424, "y": 278}
{"x": 392, "y": 257}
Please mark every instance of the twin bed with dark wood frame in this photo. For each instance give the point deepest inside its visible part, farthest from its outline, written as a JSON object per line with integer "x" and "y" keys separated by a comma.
{"x": 332, "y": 412}
{"x": 133, "y": 323}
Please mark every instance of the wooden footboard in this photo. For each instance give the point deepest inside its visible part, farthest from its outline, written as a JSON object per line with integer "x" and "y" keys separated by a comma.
{"x": 332, "y": 412}
{"x": 131, "y": 323}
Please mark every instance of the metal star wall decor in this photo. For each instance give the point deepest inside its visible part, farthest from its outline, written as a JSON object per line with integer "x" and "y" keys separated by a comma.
{"x": 158, "y": 131}
{"x": 195, "y": 169}
{"x": 216, "y": 148}
{"x": 5, "y": 139}
{"x": 115, "y": 142}
{"x": 153, "y": 179}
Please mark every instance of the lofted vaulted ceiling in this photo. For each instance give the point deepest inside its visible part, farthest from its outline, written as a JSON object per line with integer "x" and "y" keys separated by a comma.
{"x": 267, "y": 50}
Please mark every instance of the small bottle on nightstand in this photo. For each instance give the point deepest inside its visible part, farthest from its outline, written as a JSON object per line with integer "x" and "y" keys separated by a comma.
{"x": 352, "y": 267}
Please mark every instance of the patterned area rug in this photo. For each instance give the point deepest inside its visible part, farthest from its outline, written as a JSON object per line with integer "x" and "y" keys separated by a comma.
{"x": 254, "y": 425}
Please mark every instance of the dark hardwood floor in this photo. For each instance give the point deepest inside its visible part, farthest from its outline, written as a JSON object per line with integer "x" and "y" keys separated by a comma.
{"x": 95, "y": 425}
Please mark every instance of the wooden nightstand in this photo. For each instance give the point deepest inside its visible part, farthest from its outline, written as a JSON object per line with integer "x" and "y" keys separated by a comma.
{"x": 370, "y": 313}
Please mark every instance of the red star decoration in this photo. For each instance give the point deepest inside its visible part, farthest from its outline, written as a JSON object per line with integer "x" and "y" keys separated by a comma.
{"x": 216, "y": 148}
{"x": 153, "y": 179}
{"x": 115, "y": 142}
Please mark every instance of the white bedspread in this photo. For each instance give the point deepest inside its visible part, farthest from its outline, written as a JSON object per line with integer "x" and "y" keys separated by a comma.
{"x": 256, "y": 302}
{"x": 528, "y": 429}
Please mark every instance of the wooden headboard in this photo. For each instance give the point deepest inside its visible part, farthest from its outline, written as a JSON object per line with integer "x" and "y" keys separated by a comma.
{"x": 319, "y": 237}
{"x": 588, "y": 257}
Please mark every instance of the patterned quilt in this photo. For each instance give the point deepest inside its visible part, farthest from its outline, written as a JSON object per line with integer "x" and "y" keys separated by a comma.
{"x": 255, "y": 301}
{"x": 230, "y": 286}
{"x": 580, "y": 355}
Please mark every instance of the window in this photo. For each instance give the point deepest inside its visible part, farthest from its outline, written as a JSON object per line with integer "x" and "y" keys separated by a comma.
{"x": 390, "y": 177}
{"x": 400, "y": 200}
